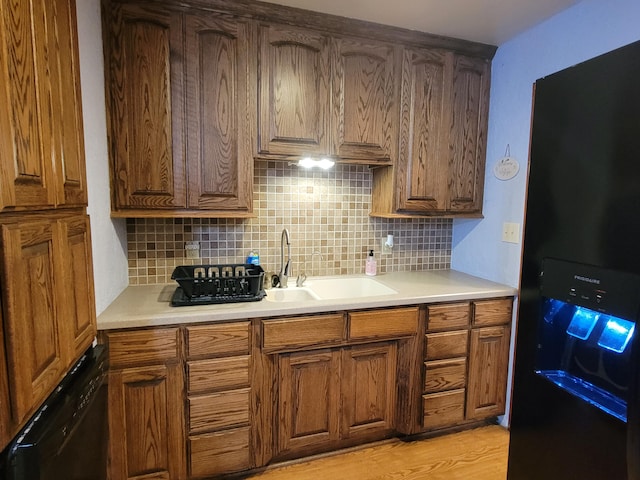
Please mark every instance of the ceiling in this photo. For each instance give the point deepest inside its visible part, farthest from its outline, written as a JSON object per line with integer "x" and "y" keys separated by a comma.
{"x": 487, "y": 21}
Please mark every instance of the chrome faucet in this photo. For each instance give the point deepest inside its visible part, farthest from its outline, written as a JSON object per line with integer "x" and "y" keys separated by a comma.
{"x": 302, "y": 276}
{"x": 283, "y": 275}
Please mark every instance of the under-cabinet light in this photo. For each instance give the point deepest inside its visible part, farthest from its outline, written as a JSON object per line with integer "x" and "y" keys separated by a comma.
{"x": 323, "y": 163}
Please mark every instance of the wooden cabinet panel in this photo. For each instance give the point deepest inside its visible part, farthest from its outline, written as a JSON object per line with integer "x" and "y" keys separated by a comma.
{"x": 32, "y": 311}
{"x": 382, "y": 324}
{"x": 422, "y": 176}
{"x": 219, "y": 453}
{"x": 369, "y": 390}
{"x": 219, "y": 73}
{"x": 446, "y": 344}
{"x": 218, "y": 374}
{"x": 42, "y": 135}
{"x": 68, "y": 136}
{"x": 218, "y": 411}
{"x": 79, "y": 305}
{"x": 448, "y": 316}
{"x": 492, "y": 312}
{"x": 443, "y": 409}
{"x": 446, "y": 374}
{"x": 299, "y": 332}
{"x": 146, "y": 423}
{"x": 468, "y": 137}
{"x": 218, "y": 340}
{"x": 294, "y": 91}
{"x": 140, "y": 347}
{"x": 365, "y": 99}
{"x": 488, "y": 364}
{"x": 308, "y": 400}
{"x": 145, "y": 77}
{"x": 443, "y": 128}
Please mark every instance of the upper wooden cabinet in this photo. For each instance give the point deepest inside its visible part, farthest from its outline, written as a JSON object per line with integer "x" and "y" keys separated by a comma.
{"x": 324, "y": 95}
{"x": 179, "y": 94}
{"x": 146, "y": 98}
{"x": 196, "y": 92}
{"x": 294, "y": 95}
{"x": 41, "y": 137}
{"x": 365, "y": 97}
{"x": 220, "y": 94}
{"x": 444, "y": 112}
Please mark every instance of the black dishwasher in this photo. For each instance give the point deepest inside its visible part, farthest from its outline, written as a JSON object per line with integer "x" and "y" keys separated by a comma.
{"x": 67, "y": 436}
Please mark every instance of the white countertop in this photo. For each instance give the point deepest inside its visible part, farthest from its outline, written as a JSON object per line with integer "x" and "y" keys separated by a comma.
{"x": 148, "y": 305}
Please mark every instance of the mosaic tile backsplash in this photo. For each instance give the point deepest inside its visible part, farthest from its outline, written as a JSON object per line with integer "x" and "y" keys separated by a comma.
{"x": 326, "y": 213}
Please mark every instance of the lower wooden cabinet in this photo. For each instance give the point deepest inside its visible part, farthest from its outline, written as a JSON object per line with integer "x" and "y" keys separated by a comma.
{"x": 327, "y": 398}
{"x": 210, "y": 400}
{"x": 488, "y": 363}
{"x": 443, "y": 409}
{"x": 369, "y": 374}
{"x": 219, "y": 452}
{"x": 465, "y": 369}
{"x": 308, "y": 401}
{"x": 218, "y": 399}
{"x": 146, "y": 414}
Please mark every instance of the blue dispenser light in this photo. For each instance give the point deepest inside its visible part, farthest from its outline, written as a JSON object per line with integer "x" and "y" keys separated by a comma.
{"x": 616, "y": 334}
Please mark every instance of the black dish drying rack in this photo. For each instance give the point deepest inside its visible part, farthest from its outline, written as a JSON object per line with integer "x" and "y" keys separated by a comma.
{"x": 211, "y": 284}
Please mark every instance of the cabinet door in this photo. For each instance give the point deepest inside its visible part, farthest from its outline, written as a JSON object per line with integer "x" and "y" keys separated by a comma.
{"x": 468, "y": 136}
{"x": 308, "y": 401}
{"x": 219, "y": 86}
{"x": 66, "y": 100}
{"x": 488, "y": 362}
{"x": 365, "y": 100}
{"x": 369, "y": 390}
{"x": 32, "y": 303}
{"x": 294, "y": 92}
{"x": 79, "y": 317}
{"x": 145, "y": 77}
{"x": 26, "y": 116}
{"x": 422, "y": 175}
{"x": 146, "y": 423}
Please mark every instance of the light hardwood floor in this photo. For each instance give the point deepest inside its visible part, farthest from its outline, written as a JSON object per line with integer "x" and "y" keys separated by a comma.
{"x": 479, "y": 454}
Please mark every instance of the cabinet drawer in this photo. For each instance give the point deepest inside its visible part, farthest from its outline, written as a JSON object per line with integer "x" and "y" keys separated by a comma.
{"x": 218, "y": 340}
{"x": 218, "y": 410}
{"x": 492, "y": 312}
{"x": 294, "y": 333}
{"x": 443, "y": 409}
{"x": 140, "y": 347}
{"x": 443, "y": 375}
{"x": 219, "y": 453}
{"x": 446, "y": 344}
{"x": 453, "y": 315}
{"x": 218, "y": 374}
{"x": 392, "y": 323}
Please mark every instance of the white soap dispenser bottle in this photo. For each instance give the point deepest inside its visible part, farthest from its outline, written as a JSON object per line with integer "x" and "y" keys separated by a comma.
{"x": 371, "y": 266}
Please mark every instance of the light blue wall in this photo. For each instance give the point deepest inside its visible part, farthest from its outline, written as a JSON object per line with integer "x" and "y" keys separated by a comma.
{"x": 584, "y": 31}
{"x": 587, "y": 29}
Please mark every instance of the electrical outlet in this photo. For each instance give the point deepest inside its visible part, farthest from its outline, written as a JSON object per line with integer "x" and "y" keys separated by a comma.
{"x": 511, "y": 232}
{"x": 192, "y": 249}
{"x": 385, "y": 248}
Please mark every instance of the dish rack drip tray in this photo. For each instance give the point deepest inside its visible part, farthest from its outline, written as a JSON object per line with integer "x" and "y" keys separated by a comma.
{"x": 211, "y": 284}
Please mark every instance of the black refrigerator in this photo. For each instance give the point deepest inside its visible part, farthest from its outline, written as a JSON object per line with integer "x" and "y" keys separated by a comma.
{"x": 575, "y": 403}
